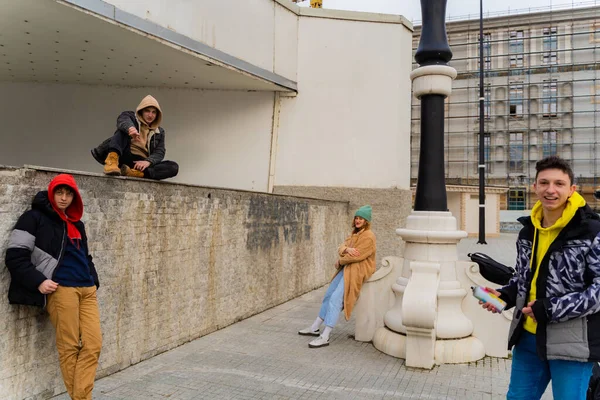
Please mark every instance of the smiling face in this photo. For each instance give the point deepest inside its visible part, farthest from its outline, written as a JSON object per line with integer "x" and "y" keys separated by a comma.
{"x": 359, "y": 222}
{"x": 553, "y": 187}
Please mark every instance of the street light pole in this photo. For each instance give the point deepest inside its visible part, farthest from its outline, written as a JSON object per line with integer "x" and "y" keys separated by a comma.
{"x": 433, "y": 51}
{"x": 481, "y": 166}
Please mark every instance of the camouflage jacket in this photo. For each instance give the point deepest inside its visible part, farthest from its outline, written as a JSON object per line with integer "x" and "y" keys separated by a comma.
{"x": 568, "y": 290}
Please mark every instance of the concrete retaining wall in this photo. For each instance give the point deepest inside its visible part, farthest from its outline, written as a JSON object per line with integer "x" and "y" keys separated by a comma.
{"x": 390, "y": 209}
{"x": 175, "y": 262}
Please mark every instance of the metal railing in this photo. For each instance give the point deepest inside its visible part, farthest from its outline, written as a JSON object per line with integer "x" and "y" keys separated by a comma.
{"x": 529, "y": 10}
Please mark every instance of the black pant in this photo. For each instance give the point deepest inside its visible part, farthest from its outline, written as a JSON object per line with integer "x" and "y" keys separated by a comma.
{"x": 120, "y": 143}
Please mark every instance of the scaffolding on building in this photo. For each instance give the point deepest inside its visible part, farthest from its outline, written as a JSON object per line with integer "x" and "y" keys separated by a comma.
{"x": 541, "y": 98}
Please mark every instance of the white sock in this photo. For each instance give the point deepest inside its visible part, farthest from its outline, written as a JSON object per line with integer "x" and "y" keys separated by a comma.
{"x": 326, "y": 332}
{"x": 315, "y": 326}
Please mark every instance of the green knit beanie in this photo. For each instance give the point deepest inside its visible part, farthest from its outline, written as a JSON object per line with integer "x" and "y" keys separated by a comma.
{"x": 364, "y": 212}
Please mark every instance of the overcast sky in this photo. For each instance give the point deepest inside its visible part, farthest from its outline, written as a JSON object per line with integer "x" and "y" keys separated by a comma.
{"x": 411, "y": 9}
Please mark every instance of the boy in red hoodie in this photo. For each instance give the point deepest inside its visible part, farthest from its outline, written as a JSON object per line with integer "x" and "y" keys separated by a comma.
{"x": 51, "y": 267}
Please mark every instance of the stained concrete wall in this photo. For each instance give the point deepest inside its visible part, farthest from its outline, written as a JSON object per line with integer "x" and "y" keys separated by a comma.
{"x": 175, "y": 262}
{"x": 390, "y": 209}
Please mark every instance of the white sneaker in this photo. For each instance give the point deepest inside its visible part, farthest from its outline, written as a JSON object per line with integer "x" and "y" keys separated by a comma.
{"x": 308, "y": 332}
{"x": 318, "y": 342}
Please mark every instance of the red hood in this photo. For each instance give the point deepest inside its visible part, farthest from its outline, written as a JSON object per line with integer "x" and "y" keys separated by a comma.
{"x": 75, "y": 210}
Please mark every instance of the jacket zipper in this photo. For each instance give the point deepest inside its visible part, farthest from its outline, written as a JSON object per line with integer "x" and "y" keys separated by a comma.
{"x": 62, "y": 249}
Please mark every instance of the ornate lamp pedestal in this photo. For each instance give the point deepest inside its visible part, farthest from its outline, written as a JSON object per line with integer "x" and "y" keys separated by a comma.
{"x": 434, "y": 319}
{"x": 426, "y": 325}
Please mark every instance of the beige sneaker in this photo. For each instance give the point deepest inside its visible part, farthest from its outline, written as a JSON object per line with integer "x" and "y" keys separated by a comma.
{"x": 319, "y": 342}
{"x": 308, "y": 332}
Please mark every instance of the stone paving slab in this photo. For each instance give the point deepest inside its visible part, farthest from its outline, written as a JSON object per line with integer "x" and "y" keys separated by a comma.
{"x": 263, "y": 357}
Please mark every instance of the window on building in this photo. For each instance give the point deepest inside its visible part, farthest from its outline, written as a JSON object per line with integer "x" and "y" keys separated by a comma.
{"x": 516, "y": 41}
{"x": 516, "y": 48}
{"x": 487, "y": 52}
{"x": 516, "y": 199}
{"x": 549, "y": 143}
{"x": 515, "y": 152}
{"x": 549, "y": 98}
{"x": 487, "y": 102}
{"x": 516, "y": 100}
{"x": 516, "y": 60}
{"x": 550, "y": 46}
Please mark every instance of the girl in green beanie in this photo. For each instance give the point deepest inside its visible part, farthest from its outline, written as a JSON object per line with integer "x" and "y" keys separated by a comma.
{"x": 356, "y": 264}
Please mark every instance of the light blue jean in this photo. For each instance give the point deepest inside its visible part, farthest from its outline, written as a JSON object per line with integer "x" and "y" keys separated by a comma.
{"x": 530, "y": 375}
{"x": 333, "y": 302}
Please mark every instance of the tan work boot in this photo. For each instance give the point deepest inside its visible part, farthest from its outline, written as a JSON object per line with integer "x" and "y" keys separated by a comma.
{"x": 126, "y": 171}
{"x": 111, "y": 164}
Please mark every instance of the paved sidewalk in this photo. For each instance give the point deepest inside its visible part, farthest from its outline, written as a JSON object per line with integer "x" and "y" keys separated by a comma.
{"x": 264, "y": 358}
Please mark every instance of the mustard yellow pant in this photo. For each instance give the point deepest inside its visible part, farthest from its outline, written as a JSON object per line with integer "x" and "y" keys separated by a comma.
{"x": 75, "y": 316}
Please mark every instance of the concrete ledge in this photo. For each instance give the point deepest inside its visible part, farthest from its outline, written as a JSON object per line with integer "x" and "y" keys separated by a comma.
{"x": 355, "y": 16}
{"x": 150, "y": 181}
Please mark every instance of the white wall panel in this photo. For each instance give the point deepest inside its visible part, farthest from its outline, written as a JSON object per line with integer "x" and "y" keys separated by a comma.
{"x": 350, "y": 123}
{"x": 219, "y": 138}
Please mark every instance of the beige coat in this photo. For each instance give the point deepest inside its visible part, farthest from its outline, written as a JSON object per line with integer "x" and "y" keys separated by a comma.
{"x": 358, "y": 269}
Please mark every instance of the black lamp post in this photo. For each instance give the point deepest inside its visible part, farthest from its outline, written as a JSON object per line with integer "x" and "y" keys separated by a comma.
{"x": 433, "y": 50}
{"x": 481, "y": 167}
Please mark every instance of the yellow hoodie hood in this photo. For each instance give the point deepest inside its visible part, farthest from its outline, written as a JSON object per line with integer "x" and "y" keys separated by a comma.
{"x": 149, "y": 101}
{"x": 574, "y": 202}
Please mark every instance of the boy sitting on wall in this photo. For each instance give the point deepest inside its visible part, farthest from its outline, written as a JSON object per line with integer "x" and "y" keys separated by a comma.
{"x": 137, "y": 148}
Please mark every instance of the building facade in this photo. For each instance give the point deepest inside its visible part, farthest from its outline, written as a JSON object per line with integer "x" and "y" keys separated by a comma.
{"x": 541, "y": 97}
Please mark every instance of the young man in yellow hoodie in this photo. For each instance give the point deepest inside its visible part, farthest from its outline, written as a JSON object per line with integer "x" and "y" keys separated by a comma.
{"x": 137, "y": 148}
{"x": 555, "y": 329}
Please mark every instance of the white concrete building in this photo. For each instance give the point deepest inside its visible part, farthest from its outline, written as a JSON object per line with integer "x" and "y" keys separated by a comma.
{"x": 259, "y": 95}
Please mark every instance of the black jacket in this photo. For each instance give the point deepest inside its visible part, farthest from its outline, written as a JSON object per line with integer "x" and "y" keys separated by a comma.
{"x": 567, "y": 308}
{"x": 594, "y": 387}
{"x": 125, "y": 121}
{"x": 35, "y": 250}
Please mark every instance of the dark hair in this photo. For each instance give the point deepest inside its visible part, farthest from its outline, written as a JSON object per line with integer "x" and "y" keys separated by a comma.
{"x": 554, "y": 162}
{"x": 67, "y": 187}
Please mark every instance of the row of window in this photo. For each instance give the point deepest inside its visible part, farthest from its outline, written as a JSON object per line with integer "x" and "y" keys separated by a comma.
{"x": 515, "y": 148}
{"x": 515, "y": 98}
{"x": 516, "y": 48}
